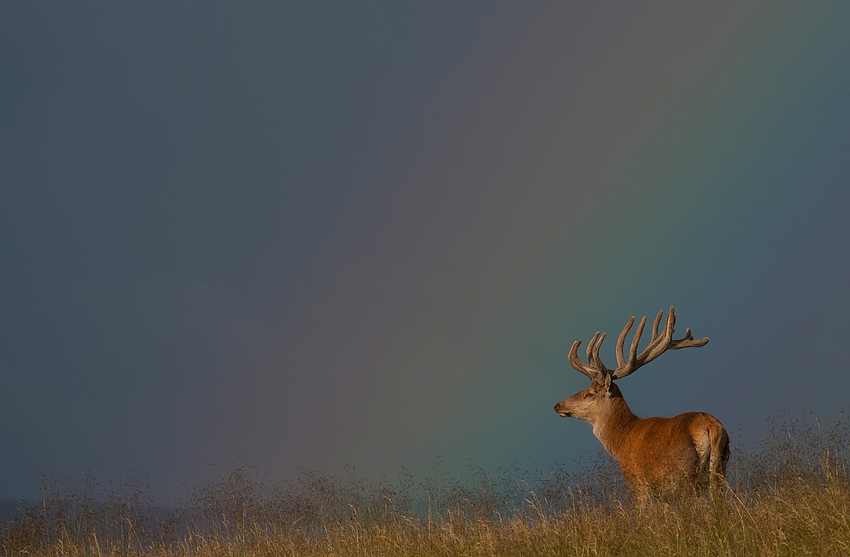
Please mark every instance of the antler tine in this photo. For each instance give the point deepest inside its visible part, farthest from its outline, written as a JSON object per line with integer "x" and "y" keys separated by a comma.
{"x": 636, "y": 340}
{"x": 662, "y": 342}
{"x": 655, "y": 326}
{"x": 626, "y": 367}
{"x": 578, "y": 365}
{"x": 597, "y": 361}
{"x": 620, "y": 359}
{"x": 688, "y": 341}
{"x": 655, "y": 336}
{"x": 590, "y": 346}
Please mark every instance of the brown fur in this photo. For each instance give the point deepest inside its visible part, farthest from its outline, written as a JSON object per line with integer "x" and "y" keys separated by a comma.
{"x": 658, "y": 456}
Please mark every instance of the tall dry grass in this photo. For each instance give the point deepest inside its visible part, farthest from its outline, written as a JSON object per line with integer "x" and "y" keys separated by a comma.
{"x": 788, "y": 496}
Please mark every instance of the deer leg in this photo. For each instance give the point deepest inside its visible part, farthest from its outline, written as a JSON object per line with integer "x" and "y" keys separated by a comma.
{"x": 717, "y": 461}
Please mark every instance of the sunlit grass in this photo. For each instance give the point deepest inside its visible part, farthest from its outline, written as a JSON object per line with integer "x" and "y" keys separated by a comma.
{"x": 789, "y": 496}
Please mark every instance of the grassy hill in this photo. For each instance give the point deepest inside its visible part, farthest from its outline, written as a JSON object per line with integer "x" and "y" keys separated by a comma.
{"x": 788, "y": 496}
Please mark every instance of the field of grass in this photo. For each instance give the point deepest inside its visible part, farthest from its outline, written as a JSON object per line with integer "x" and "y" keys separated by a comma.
{"x": 788, "y": 496}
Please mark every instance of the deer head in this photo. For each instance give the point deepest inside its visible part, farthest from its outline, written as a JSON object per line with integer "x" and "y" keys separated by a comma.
{"x": 603, "y": 396}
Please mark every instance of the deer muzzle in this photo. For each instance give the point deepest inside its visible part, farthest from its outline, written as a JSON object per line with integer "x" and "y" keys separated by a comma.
{"x": 562, "y": 412}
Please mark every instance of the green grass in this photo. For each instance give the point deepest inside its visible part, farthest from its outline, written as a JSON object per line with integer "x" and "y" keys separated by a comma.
{"x": 788, "y": 496}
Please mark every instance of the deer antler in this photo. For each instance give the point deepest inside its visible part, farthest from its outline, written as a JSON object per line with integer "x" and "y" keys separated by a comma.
{"x": 592, "y": 372}
{"x": 658, "y": 344}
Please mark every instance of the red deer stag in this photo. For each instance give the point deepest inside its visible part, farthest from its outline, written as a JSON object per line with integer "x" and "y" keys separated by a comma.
{"x": 658, "y": 456}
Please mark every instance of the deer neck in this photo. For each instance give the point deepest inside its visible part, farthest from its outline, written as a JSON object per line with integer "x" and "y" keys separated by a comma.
{"x": 612, "y": 427}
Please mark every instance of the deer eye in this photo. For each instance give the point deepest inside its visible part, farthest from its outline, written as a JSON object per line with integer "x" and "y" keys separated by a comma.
{"x": 588, "y": 395}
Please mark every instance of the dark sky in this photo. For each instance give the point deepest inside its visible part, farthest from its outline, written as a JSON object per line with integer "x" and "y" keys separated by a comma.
{"x": 323, "y": 235}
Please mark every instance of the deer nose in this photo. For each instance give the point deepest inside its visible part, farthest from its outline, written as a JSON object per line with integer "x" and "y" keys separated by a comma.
{"x": 557, "y": 407}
